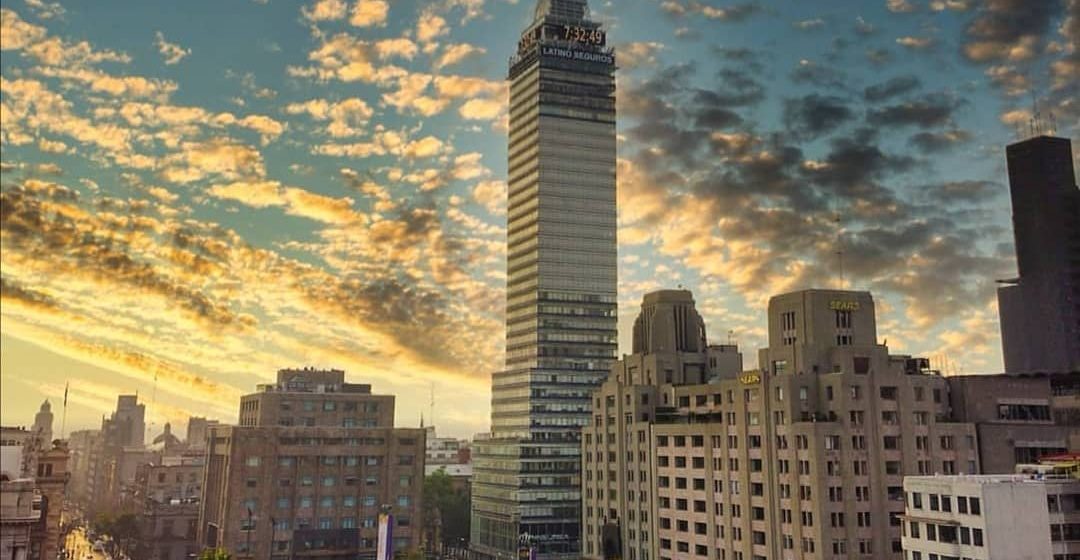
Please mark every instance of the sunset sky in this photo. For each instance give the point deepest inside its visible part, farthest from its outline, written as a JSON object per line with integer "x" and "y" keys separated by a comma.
{"x": 202, "y": 192}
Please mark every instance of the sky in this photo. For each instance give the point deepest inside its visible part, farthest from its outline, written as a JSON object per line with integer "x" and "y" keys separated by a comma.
{"x": 196, "y": 194}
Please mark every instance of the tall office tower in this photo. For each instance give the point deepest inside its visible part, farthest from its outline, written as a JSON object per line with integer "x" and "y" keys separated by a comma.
{"x": 43, "y": 425}
{"x": 1040, "y": 310}
{"x": 561, "y": 289}
{"x": 308, "y": 471}
{"x": 804, "y": 458}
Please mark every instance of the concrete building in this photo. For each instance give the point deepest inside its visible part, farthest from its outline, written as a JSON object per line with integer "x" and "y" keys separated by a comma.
{"x": 197, "y": 429}
{"x": 43, "y": 426}
{"x": 85, "y": 449}
{"x": 50, "y": 480}
{"x": 1018, "y": 418}
{"x": 803, "y": 458}
{"x": 1040, "y": 309}
{"x": 170, "y": 494}
{"x": 445, "y": 450}
{"x": 561, "y": 314}
{"x": 20, "y": 511}
{"x": 992, "y": 517}
{"x": 14, "y": 453}
{"x": 308, "y": 469}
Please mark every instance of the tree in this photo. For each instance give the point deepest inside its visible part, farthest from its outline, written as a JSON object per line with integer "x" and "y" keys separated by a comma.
{"x": 215, "y": 554}
{"x": 446, "y": 507}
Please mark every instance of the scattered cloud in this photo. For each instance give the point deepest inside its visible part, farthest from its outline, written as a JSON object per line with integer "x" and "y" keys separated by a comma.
{"x": 172, "y": 52}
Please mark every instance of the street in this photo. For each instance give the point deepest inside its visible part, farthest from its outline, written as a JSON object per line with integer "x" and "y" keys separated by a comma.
{"x": 79, "y": 547}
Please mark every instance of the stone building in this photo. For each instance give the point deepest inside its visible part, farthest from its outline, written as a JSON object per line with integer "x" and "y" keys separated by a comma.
{"x": 51, "y": 480}
{"x": 312, "y": 463}
{"x": 802, "y": 458}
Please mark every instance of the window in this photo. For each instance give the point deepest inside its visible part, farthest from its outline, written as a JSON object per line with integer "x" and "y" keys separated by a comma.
{"x": 252, "y": 461}
{"x": 888, "y": 393}
{"x": 976, "y": 507}
{"x": 935, "y": 502}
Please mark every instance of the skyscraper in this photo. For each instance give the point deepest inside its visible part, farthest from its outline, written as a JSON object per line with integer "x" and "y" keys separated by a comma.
{"x": 561, "y": 285}
{"x": 1040, "y": 310}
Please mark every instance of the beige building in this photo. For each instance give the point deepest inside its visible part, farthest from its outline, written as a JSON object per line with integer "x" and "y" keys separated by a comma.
{"x": 20, "y": 512}
{"x": 51, "y": 480}
{"x": 803, "y": 458}
{"x": 992, "y": 517}
{"x": 169, "y": 494}
{"x": 308, "y": 470}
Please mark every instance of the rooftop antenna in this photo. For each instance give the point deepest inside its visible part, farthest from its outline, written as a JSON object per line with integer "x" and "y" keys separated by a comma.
{"x": 839, "y": 240}
{"x": 431, "y": 405}
{"x": 1036, "y": 117}
{"x": 63, "y": 416}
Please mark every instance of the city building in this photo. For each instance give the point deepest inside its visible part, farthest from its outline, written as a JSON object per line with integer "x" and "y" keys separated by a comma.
{"x": 196, "y": 431}
{"x": 802, "y": 458}
{"x": 43, "y": 425}
{"x": 445, "y": 450}
{"x": 169, "y": 494}
{"x": 308, "y": 470}
{"x": 561, "y": 314}
{"x": 991, "y": 517}
{"x": 50, "y": 480}
{"x": 1040, "y": 309}
{"x": 1018, "y": 418}
{"x": 84, "y": 447}
{"x": 20, "y": 511}
{"x": 14, "y": 455}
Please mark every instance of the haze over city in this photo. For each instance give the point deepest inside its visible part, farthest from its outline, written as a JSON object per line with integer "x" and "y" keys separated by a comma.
{"x": 198, "y": 194}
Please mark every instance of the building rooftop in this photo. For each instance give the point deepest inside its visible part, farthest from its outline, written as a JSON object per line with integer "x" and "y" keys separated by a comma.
{"x": 1033, "y": 478}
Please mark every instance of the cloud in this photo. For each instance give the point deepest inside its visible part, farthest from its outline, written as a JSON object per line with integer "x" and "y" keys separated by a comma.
{"x": 482, "y": 109}
{"x": 456, "y": 53}
{"x": 952, "y": 5}
{"x": 813, "y": 115}
{"x": 733, "y": 13}
{"x": 325, "y": 10}
{"x": 402, "y": 47}
{"x": 892, "y": 87}
{"x": 217, "y": 157}
{"x": 915, "y": 43}
{"x": 367, "y": 13}
{"x": 172, "y": 52}
{"x": 937, "y": 142}
{"x": 16, "y": 34}
{"x": 900, "y": 6}
{"x": 46, "y": 10}
{"x": 927, "y": 111}
{"x": 810, "y": 72}
{"x": 346, "y": 117}
{"x": 1008, "y": 30}
{"x": 430, "y": 26}
{"x": 809, "y": 24}
{"x": 491, "y": 194}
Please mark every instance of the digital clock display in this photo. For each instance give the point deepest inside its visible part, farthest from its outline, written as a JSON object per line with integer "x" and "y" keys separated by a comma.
{"x": 579, "y": 34}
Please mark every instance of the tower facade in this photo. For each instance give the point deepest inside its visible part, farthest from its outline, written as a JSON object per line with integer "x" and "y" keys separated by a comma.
{"x": 1040, "y": 310}
{"x": 561, "y": 333}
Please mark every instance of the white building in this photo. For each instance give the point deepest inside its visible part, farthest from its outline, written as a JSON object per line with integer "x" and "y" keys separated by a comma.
{"x": 991, "y": 517}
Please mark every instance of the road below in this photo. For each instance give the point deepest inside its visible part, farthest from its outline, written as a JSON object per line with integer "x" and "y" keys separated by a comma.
{"x": 80, "y": 548}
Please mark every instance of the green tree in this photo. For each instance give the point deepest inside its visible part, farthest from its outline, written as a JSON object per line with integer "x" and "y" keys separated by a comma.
{"x": 215, "y": 554}
{"x": 446, "y": 506}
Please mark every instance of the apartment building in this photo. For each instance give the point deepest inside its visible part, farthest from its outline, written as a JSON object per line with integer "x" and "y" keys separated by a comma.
{"x": 307, "y": 472}
{"x": 1034, "y": 516}
{"x": 802, "y": 458}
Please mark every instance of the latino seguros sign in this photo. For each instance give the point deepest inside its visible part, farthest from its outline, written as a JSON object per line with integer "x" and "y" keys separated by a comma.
{"x": 574, "y": 54}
